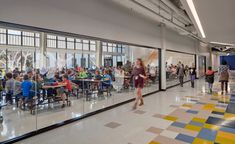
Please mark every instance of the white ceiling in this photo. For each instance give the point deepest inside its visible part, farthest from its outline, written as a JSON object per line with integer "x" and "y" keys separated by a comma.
{"x": 217, "y": 18}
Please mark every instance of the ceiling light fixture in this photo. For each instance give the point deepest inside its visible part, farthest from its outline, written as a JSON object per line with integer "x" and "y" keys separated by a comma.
{"x": 195, "y": 15}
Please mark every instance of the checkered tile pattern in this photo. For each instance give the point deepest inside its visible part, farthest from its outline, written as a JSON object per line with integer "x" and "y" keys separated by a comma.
{"x": 208, "y": 119}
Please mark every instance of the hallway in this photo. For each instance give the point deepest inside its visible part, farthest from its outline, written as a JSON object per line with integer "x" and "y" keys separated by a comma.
{"x": 177, "y": 116}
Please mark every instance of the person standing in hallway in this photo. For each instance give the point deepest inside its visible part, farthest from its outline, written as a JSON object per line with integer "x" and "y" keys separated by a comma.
{"x": 224, "y": 76}
{"x": 192, "y": 74}
{"x": 210, "y": 78}
{"x": 139, "y": 75}
{"x": 181, "y": 73}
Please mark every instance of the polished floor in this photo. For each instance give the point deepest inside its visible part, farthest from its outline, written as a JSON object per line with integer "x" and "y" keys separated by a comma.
{"x": 17, "y": 122}
{"x": 177, "y": 116}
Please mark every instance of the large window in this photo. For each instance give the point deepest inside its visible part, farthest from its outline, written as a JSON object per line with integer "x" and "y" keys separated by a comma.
{"x": 92, "y": 46}
{"x": 3, "y": 58}
{"x": 51, "y": 41}
{"x": 78, "y": 57}
{"x": 78, "y": 44}
{"x": 113, "y": 53}
{"x": 14, "y": 37}
{"x": 14, "y": 59}
{"x": 61, "y": 42}
{"x": 70, "y": 60}
{"x": 19, "y": 38}
{"x": 51, "y": 59}
{"x": 3, "y": 36}
{"x": 61, "y": 60}
{"x": 28, "y": 60}
{"x": 28, "y": 39}
{"x": 85, "y": 45}
{"x": 172, "y": 64}
{"x": 82, "y": 59}
{"x": 70, "y": 43}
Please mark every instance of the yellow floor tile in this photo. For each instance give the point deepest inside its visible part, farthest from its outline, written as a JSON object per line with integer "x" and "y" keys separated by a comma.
{"x": 222, "y": 140}
{"x": 219, "y": 110}
{"x": 229, "y": 116}
{"x": 208, "y": 107}
{"x": 187, "y": 105}
{"x": 170, "y": 118}
{"x": 212, "y": 127}
{"x": 215, "y": 94}
{"x": 226, "y": 135}
{"x": 153, "y": 142}
{"x": 201, "y": 141}
{"x": 193, "y": 128}
{"x": 200, "y": 120}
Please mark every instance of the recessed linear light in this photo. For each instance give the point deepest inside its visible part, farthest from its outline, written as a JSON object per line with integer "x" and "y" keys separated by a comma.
{"x": 220, "y": 43}
{"x": 195, "y": 15}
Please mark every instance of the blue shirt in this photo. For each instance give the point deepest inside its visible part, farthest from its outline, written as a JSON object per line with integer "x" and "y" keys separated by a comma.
{"x": 107, "y": 79}
{"x": 26, "y": 86}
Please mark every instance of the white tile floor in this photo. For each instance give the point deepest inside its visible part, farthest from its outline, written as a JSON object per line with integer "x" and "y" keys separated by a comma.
{"x": 133, "y": 125}
{"x": 18, "y": 122}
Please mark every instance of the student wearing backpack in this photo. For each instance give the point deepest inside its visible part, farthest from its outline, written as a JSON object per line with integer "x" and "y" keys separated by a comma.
{"x": 210, "y": 78}
{"x": 224, "y": 76}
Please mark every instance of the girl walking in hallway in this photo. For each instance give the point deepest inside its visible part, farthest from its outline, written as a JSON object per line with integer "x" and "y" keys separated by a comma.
{"x": 210, "y": 78}
{"x": 224, "y": 76}
{"x": 139, "y": 75}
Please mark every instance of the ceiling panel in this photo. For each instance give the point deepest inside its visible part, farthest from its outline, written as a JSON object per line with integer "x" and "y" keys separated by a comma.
{"x": 217, "y": 18}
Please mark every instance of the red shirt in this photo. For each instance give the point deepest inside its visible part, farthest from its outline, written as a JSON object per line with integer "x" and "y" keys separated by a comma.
{"x": 68, "y": 85}
{"x": 210, "y": 72}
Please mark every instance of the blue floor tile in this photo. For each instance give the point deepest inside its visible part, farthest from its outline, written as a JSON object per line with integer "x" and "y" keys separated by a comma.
{"x": 231, "y": 108}
{"x": 192, "y": 111}
{"x": 207, "y": 134}
{"x": 214, "y": 121}
{"x": 202, "y": 103}
{"x": 178, "y": 124}
{"x": 185, "y": 138}
{"x": 196, "y": 123}
{"x": 227, "y": 129}
{"x": 218, "y": 113}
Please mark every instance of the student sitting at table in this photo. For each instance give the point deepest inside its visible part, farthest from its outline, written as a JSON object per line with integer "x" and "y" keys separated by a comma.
{"x": 17, "y": 87}
{"x": 26, "y": 86}
{"x": 98, "y": 75}
{"x": 70, "y": 74}
{"x": 63, "y": 91}
{"x": 1, "y": 89}
{"x": 37, "y": 85}
{"x": 82, "y": 74}
{"x": 9, "y": 88}
{"x": 107, "y": 79}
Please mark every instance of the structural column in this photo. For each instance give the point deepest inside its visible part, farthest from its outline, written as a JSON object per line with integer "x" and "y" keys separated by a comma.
{"x": 211, "y": 58}
{"x": 99, "y": 52}
{"x": 163, "y": 56}
{"x": 43, "y": 50}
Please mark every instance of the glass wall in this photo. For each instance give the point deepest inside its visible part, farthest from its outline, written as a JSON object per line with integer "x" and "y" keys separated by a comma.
{"x": 19, "y": 55}
{"x": 202, "y": 65}
{"x": 69, "y": 77}
{"x": 172, "y": 63}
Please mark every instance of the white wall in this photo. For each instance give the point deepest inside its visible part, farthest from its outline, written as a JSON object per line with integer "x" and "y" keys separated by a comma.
{"x": 203, "y": 50}
{"x": 175, "y": 41}
{"x": 98, "y": 18}
{"x": 215, "y": 61}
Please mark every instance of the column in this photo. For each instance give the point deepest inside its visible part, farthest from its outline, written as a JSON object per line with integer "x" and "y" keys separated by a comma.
{"x": 43, "y": 56}
{"x": 99, "y": 52}
{"x": 211, "y": 63}
{"x": 163, "y": 56}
